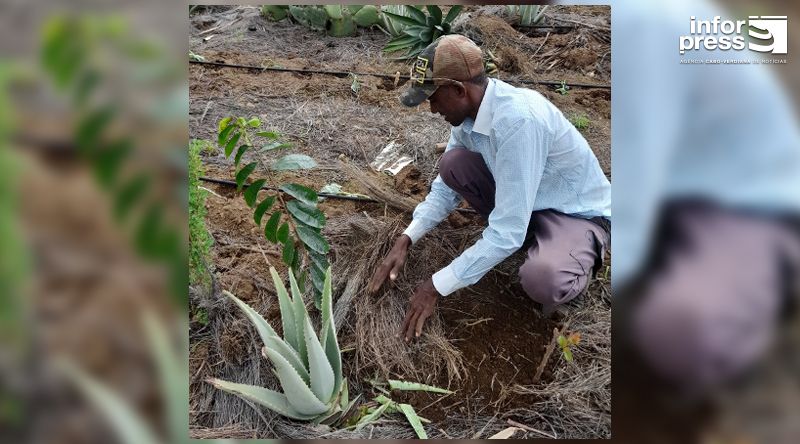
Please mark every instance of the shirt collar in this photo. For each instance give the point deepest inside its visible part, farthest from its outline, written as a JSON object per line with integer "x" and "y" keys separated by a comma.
{"x": 483, "y": 121}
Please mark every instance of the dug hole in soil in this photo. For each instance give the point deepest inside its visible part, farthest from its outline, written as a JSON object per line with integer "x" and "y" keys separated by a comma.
{"x": 484, "y": 342}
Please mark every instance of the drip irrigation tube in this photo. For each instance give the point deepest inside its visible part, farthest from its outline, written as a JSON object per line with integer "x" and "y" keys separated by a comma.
{"x": 386, "y": 76}
{"x": 330, "y": 195}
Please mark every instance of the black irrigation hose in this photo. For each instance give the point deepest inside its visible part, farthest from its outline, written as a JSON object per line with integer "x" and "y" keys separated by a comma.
{"x": 386, "y": 76}
{"x": 332, "y": 196}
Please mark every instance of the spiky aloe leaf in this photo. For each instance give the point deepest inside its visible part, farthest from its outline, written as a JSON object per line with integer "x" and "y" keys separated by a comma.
{"x": 300, "y": 312}
{"x": 270, "y": 399}
{"x": 288, "y": 318}
{"x": 413, "y": 419}
{"x": 415, "y": 386}
{"x": 130, "y": 426}
{"x": 297, "y": 392}
{"x": 270, "y": 338}
{"x": 319, "y": 369}
{"x": 328, "y": 333}
{"x": 372, "y": 417}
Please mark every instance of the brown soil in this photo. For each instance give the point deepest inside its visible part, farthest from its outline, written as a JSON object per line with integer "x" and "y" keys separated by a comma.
{"x": 502, "y": 337}
{"x": 409, "y": 181}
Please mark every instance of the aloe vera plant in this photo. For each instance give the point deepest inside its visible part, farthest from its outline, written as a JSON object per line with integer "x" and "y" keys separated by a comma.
{"x": 309, "y": 366}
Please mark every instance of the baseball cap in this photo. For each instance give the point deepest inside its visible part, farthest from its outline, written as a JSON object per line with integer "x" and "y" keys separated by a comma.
{"x": 450, "y": 57}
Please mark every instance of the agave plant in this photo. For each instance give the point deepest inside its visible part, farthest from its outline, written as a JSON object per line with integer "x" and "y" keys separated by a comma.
{"x": 308, "y": 366}
{"x": 420, "y": 29}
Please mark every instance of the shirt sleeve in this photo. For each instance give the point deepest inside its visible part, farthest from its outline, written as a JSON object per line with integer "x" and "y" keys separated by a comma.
{"x": 440, "y": 202}
{"x": 521, "y": 156}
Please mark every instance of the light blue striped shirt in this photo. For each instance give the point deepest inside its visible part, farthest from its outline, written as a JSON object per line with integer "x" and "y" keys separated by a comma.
{"x": 539, "y": 161}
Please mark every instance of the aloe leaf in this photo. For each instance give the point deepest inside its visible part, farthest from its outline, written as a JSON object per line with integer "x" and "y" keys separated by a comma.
{"x": 300, "y": 314}
{"x": 331, "y": 343}
{"x": 372, "y": 417}
{"x": 298, "y": 392}
{"x": 287, "y": 311}
{"x": 413, "y": 419}
{"x": 130, "y": 427}
{"x": 319, "y": 369}
{"x": 275, "y": 401}
{"x": 269, "y": 337}
{"x": 415, "y": 386}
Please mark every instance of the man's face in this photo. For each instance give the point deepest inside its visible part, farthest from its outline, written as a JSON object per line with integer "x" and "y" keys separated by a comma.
{"x": 451, "y": 102}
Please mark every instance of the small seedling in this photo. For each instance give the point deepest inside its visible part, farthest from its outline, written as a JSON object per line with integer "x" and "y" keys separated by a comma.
{"x": 356, "y": 85}
{"x": 566, "y": 342}
{"x": 563, "y": 89}
{"x": 581, "y": 121}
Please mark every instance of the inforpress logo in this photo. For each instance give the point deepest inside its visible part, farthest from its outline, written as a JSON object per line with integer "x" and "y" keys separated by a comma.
{"x": 770, "y": 29}
{"x": 763, "y": 34}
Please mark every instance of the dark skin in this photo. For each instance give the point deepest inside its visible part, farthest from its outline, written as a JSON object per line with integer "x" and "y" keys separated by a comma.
{"x": 455, "y": 102}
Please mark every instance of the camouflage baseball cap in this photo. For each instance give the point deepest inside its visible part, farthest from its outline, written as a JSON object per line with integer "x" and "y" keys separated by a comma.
{"x": 451, "y": 57}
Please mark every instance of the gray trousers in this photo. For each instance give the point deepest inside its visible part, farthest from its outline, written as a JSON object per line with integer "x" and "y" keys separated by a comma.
{"x": 563, "y": 251}
{"x": 711, "y": 304}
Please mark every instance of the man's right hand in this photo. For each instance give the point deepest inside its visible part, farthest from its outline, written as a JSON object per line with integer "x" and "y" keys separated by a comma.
{"x": 392, "y": 264}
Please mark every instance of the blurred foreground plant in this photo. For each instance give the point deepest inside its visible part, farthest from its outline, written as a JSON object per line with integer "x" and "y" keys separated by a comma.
{"x": 84, "y": 56}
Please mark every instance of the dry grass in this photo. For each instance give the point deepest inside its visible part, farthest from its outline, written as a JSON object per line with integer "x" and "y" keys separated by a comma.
{"x": 375, "y": 320}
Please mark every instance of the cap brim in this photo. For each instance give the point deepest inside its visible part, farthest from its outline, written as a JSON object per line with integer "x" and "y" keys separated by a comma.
{"x": 417, "y": 94}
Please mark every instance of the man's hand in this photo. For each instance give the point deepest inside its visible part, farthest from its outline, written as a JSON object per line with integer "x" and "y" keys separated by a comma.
{"x": 420, "y": 308}
{"x": 392, "y": 264}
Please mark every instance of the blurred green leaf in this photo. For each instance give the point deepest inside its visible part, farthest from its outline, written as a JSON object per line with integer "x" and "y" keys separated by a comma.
{"x": 129, "y": 194}
{"x": 90, "y": 128}
{"x": 109, "y": 161}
